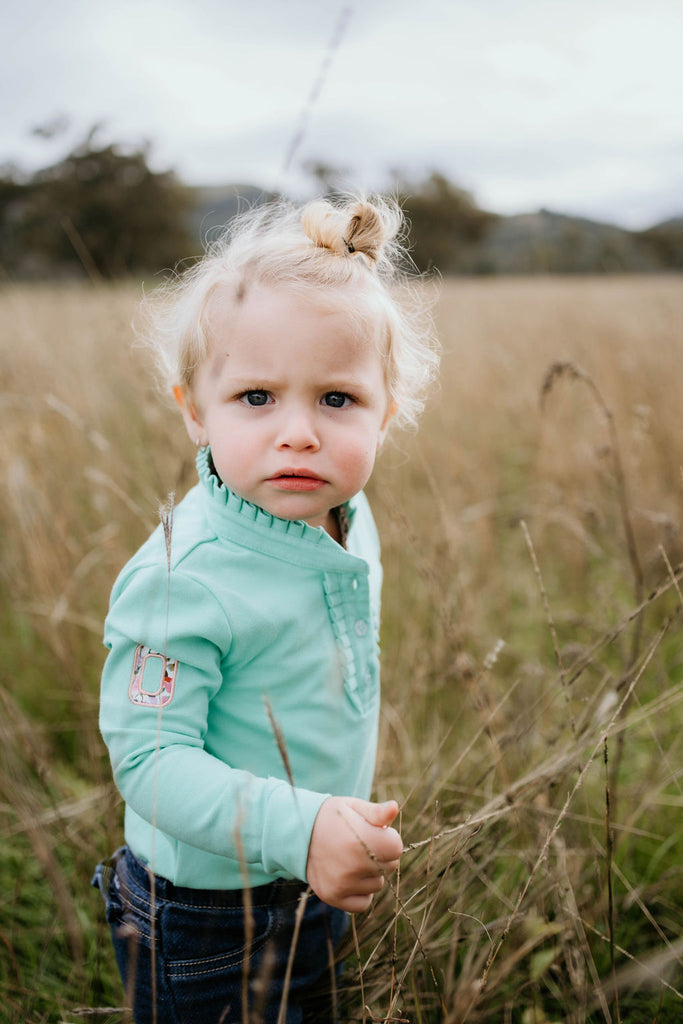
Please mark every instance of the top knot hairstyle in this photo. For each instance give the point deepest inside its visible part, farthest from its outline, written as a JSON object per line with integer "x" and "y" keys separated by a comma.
{"x": 352, "y": 248}
{"x": 360, "y": 228}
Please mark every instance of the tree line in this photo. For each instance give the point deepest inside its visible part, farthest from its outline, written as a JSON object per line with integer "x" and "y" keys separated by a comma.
{"x": 99, "y": 211}
{"x": 102, "y": 211}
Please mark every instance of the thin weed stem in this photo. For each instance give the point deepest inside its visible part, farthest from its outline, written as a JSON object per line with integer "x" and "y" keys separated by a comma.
{"x": 298, "y": 918}
{"x": 609, "y": 853}
{"x": 356, "y": 945}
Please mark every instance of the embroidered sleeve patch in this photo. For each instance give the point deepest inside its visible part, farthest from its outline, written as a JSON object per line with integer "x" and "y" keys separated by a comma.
{"x": 156, "y": 689}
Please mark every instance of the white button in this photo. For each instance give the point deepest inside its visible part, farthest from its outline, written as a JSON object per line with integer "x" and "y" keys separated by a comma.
{"x": 355, "y": 583}
{"x": 361, "y": 627}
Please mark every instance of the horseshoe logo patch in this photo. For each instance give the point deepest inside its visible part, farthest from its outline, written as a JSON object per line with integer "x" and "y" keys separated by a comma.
{"x": 152, "y": 681}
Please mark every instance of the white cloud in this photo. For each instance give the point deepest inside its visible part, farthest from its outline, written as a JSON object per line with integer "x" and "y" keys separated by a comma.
{"x": 526, "y": 102}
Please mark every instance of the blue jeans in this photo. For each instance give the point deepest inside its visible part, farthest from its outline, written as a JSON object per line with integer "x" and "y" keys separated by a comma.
{"x": 184, "y": 957}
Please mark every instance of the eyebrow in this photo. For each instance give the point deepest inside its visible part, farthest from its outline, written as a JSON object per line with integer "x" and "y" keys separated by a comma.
{"x": 263, "y": 383}
{"x": 245, "y": 379}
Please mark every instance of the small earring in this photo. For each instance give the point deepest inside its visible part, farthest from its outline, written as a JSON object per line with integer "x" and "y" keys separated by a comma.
{"x": 196, "y": 441}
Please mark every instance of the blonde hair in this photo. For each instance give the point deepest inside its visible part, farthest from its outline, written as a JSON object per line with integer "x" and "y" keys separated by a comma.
{"x": 353, "y": 245}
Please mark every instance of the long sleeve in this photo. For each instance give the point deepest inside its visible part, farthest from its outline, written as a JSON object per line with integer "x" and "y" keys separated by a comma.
{"x": 169, "y": 640}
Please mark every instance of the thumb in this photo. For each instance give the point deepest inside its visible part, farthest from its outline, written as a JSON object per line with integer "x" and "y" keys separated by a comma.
{"x": 379, "y": 815}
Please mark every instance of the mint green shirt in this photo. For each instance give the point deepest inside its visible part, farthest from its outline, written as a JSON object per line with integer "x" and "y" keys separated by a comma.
{"x": 251, "y": 626}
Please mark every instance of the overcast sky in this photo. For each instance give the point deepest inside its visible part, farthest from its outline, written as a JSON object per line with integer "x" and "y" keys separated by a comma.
{"x": 575, "y": 105}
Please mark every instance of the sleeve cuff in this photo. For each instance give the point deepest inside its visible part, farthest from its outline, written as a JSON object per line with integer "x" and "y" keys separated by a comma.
{"x": 289, "y": 819}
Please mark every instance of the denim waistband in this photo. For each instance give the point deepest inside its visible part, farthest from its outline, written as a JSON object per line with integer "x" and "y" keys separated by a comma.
{"x": 273, "y": 894}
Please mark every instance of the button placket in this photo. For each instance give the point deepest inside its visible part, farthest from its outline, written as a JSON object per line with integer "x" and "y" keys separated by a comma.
{"x": 348, "y": 602}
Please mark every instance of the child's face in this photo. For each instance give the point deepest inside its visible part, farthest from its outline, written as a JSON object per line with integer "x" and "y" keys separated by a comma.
{"x": 292, "y": 401}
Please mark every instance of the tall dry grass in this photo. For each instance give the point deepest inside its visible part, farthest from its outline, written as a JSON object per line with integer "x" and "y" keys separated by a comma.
{"x": 532, "y": 657}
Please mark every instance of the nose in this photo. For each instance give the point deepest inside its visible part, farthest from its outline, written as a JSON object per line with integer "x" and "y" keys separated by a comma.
{"x": 297, "y": 431}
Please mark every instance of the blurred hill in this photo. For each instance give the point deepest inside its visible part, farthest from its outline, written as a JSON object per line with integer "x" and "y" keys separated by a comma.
{"x": 449, "y": 233}
{"x": 666, "y": 241}
{"x": 550, "y": 242}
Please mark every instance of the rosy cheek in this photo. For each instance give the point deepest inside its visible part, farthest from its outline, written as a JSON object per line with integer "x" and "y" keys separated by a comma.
{"x": 356, "y": 459}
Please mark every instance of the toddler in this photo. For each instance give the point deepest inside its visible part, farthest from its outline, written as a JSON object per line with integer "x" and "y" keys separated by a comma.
{"x": 240, "y": 696}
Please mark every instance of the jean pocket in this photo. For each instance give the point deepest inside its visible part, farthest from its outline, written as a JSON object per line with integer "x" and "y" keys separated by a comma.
{"x": 201, "y": 941}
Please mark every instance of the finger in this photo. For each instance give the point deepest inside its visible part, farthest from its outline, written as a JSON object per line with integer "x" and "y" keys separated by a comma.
{"x": 386, "y": 845}
{"x": 363, "y": 893}
{"x": 380, "y": 845}
{"x": 355, "y": 904}
{"x": 369, "y": 883}
{"x": 379, "y": 815}
{"x": 387, "y": 867}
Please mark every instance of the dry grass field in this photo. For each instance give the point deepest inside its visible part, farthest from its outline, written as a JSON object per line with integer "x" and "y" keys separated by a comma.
{"x": 533, "y": 666}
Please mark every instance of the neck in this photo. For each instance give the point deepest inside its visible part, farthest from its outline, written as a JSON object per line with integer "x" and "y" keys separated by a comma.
{"x": 331, "y": 526}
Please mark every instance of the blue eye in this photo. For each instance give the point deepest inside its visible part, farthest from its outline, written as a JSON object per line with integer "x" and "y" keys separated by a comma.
{"x": 337, "y": 399}
{"x": 255, "y": 398}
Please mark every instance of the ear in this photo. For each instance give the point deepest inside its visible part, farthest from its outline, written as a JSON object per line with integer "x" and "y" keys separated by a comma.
{"x": 390, "y": 413}
{"x": 191, "y": 416}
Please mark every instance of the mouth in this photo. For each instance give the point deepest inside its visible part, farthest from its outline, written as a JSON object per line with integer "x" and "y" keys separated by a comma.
{"x": 296, "y": 480}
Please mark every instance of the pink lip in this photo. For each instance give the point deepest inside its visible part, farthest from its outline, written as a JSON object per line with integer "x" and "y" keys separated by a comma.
{"x": 297, "y": 480}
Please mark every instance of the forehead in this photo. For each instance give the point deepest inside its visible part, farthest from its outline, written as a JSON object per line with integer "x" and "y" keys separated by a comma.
{"x": 262, "y": 316}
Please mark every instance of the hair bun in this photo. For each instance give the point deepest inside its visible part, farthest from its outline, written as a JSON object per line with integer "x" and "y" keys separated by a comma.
{"x": 324, "y": 225}
{"x": 359, "y": 227}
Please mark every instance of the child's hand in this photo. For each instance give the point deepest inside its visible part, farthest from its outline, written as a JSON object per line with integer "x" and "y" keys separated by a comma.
{"x": 351, "y": 850}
